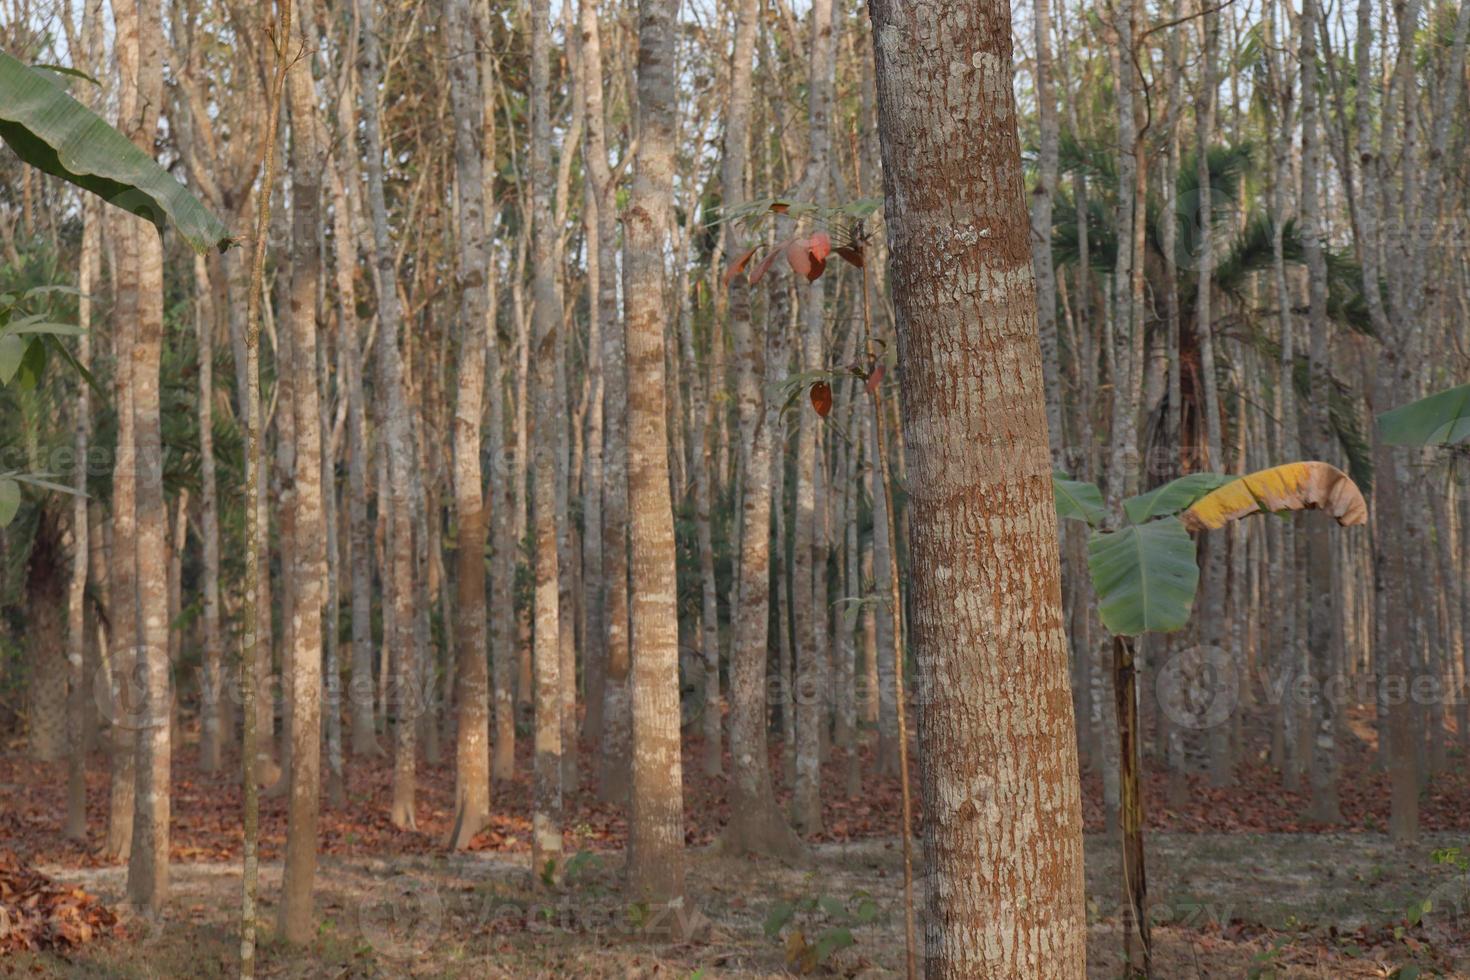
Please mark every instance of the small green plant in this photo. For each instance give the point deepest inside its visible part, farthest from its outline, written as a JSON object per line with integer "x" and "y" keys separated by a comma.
{"x": 1263, "y": 964}
{"x": 1452, "y": 856}
{"x": 819, "y": 927}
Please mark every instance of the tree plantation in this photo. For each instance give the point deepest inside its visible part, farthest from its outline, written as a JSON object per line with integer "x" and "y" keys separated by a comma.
{"x": 735, "y": 488}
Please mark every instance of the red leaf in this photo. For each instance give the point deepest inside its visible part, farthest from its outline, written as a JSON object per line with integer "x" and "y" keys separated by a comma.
{"x": 738, "y": 266}
{"x": 852, "y": 253}
{"x": 780, "y": 207}
{"x": 799, "y": 254}
{"x": 822, "y": 398}
{"x": 876, "y": 378}
{"x": 765, "y": 266}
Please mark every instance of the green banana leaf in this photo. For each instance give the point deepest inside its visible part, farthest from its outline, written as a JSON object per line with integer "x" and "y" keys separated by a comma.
{"x": 1442, "y": 419}
{"x": 1145, "y": 577}
{"x": 1077, "y": 500}
{"x": 1173, "y": 497}
{"x": 9, "y": 500}
{"x": 52, "y": 131}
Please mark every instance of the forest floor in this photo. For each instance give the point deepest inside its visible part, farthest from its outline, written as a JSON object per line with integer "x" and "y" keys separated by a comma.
{"x": 1239, "y": 886}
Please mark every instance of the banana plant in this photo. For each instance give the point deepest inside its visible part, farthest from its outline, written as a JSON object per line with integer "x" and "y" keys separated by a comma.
{"x": 52, "y": 131}
{"x": 1145, "y": 573}
{"x": 1144, "y": 568}
{"x": 1442, "y": 419}
{"x": 25, "y": 339}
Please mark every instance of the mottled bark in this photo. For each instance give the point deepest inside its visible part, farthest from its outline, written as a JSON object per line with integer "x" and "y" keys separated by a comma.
{"x": 1004, "y": 827}
{"x": 656, "y": 818}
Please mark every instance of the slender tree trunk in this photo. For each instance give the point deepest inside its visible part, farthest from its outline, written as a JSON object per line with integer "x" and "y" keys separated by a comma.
{"x": 546, "y": 843}
{"x": 140, "y": 65}
{"x": 80, "y": 692}
{"x": 979, "y": 453}
{"x": 211, "y": 737}
{"x": 1041, "y": 209}
{"x": 398, "y": 443}
{"x": 1322, "y": 610}
{"x": 472, "y": 755}
{"x": 308, "y": 550}
{"x": 756, "y": 824}
{"x": 503, "y": 636}
{"x": 809, "y": 555}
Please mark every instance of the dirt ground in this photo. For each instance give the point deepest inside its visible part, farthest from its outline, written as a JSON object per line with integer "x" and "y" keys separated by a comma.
{"x": 1238, "y": 905}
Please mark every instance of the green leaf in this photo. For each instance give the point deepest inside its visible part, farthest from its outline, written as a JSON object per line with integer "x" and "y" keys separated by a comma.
{"x": 69, "y": 72}
{"x": 39, "y": 481}
{"x": 1173, "y": 497}
{"x": 776, "y": 919}
{"x": 39, "y": 324}
{"x": 1145, "y": 577}
{"x": 12, "y": 351}
{"x": 831, "y": 942}
{"x": 32, "y": 365}
{"x": 1078, "y": 500}
{"x": 52, "y": 131}
{"x": 9, "y": 501}
{"x": 76, "y": 366}
{"x": 1442, "y": 419}
{"x": 832, "y": 907}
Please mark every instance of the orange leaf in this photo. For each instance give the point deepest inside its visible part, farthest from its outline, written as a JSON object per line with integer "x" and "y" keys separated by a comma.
{"x": 738, "y": 266}
{"x": 876, "y": 378}
{"x": 821, "y": 245}
{"x": 822, "y": 398}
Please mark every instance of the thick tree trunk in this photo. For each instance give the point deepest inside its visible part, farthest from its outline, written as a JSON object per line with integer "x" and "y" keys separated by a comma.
{"x": 656, "y": 813}
{"x": 140, "y": 272}
{"x": 983, "y": 520}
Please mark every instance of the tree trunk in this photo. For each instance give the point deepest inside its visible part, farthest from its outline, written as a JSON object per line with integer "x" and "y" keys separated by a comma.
{"x": 977, "y": 440}
{"x": 140, "y": 272}
{"x": 472, "y": 753}
{"x": 398, "y": 443}
{"x": 1322, "y": 608}
{"x": 308, "y": 549}
{"x": 656, "y": 814}
{"x": 809, "y": 555}
{"x": 546, "y": 843}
